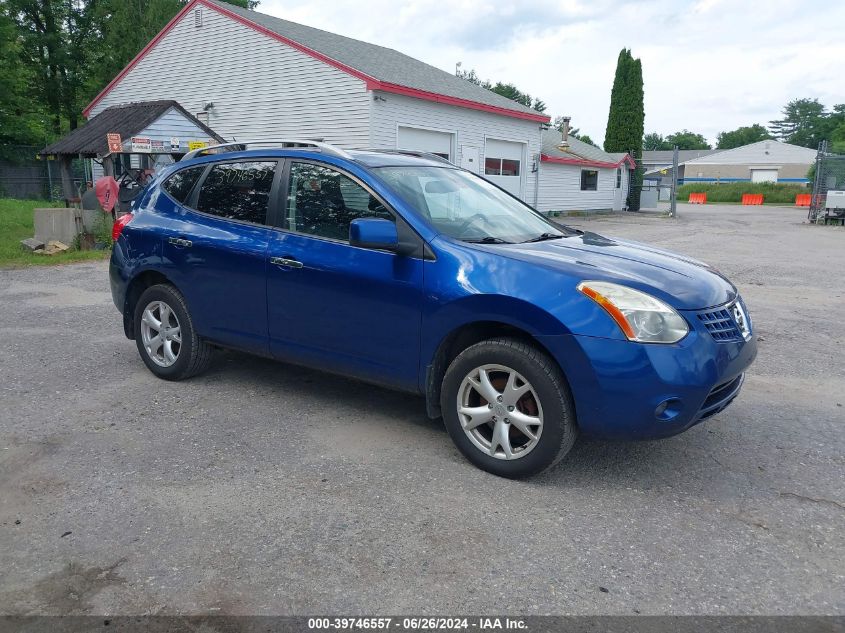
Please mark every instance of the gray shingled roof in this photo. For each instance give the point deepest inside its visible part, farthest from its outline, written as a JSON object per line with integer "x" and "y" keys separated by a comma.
{"x": 127, "y": 120}
{"x": 577, "y": 149}
{"x": 378, "y": 62}
{"x": 665, "y": 156}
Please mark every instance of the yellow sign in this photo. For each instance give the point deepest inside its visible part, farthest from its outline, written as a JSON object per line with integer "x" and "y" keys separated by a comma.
{"x": 663, "y": 171}
{"x": 192, "y": 145}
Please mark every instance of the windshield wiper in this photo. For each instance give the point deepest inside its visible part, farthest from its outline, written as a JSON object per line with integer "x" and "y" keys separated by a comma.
{"x": 545, "y": 236}
{"x": 488, "y": 240}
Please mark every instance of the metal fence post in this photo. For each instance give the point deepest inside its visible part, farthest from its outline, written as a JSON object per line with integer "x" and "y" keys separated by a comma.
{"x": 673, "y": 204}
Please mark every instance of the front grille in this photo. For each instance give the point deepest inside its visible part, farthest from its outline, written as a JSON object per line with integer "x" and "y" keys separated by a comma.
{"x": 720, "y": 324}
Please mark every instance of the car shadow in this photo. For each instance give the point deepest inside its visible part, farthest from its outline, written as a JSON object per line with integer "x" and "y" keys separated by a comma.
{"x": 682, "y": 462}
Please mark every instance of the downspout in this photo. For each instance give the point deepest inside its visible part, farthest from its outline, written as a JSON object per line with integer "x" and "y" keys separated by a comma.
{"x": 537, "y": 182}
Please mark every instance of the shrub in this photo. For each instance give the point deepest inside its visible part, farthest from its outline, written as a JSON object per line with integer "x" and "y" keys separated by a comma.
{"x": 732, "y": 191}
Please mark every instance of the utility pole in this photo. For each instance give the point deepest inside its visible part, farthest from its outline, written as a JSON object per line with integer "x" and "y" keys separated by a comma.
{"x": 673, "y": 204}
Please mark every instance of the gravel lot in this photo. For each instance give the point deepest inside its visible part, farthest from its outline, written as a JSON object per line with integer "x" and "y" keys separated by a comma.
{"x": 264, "y": 488}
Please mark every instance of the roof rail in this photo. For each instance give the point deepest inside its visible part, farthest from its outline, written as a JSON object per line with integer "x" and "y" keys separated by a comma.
{"x": 413, "y": 152}
{"x": 286, "y": 143}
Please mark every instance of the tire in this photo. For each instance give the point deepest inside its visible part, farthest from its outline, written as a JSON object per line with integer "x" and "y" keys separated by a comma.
{"x": 547, "y": 398}
{"x": 189, "y": 355}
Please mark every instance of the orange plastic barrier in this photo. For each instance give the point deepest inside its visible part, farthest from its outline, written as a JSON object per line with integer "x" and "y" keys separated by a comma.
{"x": 698, "y": 198}
{"x": 803, "y": 199}
{"x": 752, "y": 198}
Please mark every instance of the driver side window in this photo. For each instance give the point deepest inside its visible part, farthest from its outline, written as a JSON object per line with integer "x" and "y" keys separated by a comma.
{"x": 323, "y": 202}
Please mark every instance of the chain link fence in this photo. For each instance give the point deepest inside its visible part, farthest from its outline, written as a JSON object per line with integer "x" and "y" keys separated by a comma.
{"x": 24, "y": 176}
{"x": 829, "y": 176}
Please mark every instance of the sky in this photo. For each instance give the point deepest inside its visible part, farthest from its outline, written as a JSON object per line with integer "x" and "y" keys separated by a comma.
{"x": 708, "y": 65}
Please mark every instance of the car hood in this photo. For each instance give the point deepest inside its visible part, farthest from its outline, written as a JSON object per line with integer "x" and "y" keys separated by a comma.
{"x": 682, "y": 282}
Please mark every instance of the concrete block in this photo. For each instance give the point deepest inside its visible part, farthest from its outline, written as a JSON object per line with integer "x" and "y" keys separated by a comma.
{"x": 32, "y": 244}
{"x": 62, "y": 225}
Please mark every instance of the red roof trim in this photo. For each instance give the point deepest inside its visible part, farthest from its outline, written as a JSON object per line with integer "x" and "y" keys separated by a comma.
{"x": 456, "y": 101}
{"x": 587, "y": 163}
{"x": 137, "y": 58}
{"x": 284, "y": 40}
{"x": 370, "y": 82}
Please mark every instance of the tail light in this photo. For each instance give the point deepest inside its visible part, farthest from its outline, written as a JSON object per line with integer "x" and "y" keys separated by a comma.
{"x": 118, "y": 225}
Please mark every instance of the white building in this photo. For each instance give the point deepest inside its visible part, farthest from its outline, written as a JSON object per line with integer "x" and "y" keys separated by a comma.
{"x": 580, "y": 176}
{"x": 251, "y": 76}
{"x": 763, "y": 161}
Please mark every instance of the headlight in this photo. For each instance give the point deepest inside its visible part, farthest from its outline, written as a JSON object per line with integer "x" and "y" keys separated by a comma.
{"x": 640, "y": 316}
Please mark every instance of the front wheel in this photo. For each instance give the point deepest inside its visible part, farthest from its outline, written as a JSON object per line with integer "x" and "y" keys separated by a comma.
{"x": 508, "y": 408}
{"x": 165, "y": 335}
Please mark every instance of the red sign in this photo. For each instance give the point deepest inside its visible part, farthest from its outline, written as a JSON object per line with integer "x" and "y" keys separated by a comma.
{"x": 106, "y": 189}
{"x": 115, "y": 144}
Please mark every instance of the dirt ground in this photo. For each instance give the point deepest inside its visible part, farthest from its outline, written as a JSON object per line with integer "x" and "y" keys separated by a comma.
{"x": 264, "y": 488}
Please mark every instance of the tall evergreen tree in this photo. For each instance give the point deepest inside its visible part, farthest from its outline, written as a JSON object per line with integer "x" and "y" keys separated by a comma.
{"x": 626, "y": 119}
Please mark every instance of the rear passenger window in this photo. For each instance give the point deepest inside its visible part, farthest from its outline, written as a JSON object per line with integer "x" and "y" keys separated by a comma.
{"x": 180, "y": 184}
{"x": 238, "y": 191}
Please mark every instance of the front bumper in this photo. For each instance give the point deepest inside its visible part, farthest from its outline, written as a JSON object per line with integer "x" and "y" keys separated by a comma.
{"x": 619, "y": 386}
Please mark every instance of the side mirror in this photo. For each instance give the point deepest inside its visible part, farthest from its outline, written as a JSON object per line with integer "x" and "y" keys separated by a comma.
{"x": 374, "y": 233}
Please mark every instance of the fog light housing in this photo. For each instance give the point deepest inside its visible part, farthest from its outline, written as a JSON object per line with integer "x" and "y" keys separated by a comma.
{"x": 668, "y": 409}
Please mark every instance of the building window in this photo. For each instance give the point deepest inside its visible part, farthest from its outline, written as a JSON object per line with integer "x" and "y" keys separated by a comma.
{"x": 589, "y": 180}
{"x": 202, "y": 117}
{"x": 618, "y": 177}
{"x": 501, "y": 167}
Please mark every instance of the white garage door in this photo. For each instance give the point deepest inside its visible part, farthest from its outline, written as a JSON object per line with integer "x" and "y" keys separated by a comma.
{"x": 503, "y": 164}
{"x": 764, "y": 175}
{"x": 415, "y": 139}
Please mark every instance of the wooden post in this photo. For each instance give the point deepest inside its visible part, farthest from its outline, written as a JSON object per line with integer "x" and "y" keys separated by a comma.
{"x": 67, "y": 183}
{"x": 108, "y": 166}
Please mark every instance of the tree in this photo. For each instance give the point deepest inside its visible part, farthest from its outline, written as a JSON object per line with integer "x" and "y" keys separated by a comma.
{"x": 506, "y": 90}
{"x": 655, "y": 142}
{"x": 803, "y": 123}
{"x": 21, "y": 120}
{"x": 626, "y": 119}
{"x": 687, "y": 140}
{"x": 742, "y": 136}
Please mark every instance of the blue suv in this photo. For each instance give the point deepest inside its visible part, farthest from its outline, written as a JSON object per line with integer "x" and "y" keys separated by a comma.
{"x": 400, "y": 269}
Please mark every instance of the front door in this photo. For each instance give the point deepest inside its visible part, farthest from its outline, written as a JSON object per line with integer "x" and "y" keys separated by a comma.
{"x": 216, "y": 253}
{"x": 334, "y": 306}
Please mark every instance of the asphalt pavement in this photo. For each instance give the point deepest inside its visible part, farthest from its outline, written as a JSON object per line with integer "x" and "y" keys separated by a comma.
{"x": 265, "y": 488}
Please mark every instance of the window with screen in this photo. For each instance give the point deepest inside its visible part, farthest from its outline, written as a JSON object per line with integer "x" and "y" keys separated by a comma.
{"x": 501, "y": 167}
{"x": 238, "y": 191}
{"x": 618, "y": 177}
{"x": 180, "y": 184}
{"x": 589, "y": 180}
{"x": 323, "y": 202}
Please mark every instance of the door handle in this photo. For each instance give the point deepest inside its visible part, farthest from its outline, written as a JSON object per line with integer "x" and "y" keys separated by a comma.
{"x": 286, "y": 261}
{"x": 178, "y": 241}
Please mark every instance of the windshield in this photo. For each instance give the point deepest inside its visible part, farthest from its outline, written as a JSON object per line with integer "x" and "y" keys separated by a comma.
{"x": 466, "y": 207}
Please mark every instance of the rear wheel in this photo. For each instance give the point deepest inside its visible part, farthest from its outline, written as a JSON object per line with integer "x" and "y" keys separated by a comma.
{"x": 165, "y": 335}
{"x": 507, "y": 407}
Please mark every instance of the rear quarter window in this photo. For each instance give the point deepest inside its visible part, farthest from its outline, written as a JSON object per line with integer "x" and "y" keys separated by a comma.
{"x": 180, "y": 184}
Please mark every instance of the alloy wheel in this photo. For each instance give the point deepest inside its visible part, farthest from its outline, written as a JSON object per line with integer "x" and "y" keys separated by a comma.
{"x": 161, "y": 333}
{"x": 500, "y": 412}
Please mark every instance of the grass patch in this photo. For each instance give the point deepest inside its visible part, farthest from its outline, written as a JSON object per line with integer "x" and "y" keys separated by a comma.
{"x": 16, "y": 224}
{"x": 773, "y": 193}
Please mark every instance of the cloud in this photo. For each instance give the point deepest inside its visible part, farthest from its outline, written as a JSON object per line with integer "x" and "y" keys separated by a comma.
{"x": 708, "y": 65}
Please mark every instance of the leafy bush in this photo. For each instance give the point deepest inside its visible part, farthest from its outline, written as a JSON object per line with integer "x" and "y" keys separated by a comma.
{"x": 732, "y": 191}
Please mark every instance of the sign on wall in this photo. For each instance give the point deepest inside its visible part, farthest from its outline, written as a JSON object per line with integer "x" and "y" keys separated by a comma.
{"x": 141, "y": 144}
{"x": 192, "y": 145}
{"x": 174, "y": 144}
{"x": 114, "y": 142}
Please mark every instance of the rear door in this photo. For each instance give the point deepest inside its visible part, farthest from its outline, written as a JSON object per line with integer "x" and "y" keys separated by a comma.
{"x": 216, "y": 249}
{"x": 335, "y": 306}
